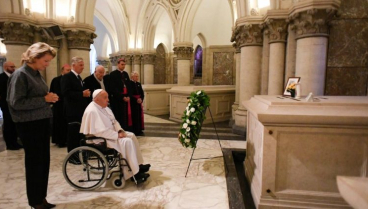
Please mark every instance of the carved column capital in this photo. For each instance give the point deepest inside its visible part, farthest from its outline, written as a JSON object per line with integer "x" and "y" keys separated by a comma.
{"x": 247, "y": 35}
{"x": 45, "y": 38}
{"x": 103, "y": 61}
{"x": 149, "y": 59}
{"x": 113, "y": 60}
{"x": 17, "y": 33}
{"x": 312, "y": 22}
{"x": 183, "y": 52}
{"x": 137, "y": 58}
{"x": 277, "y": 30}
{"x": 78, "y": 39}
{"x": 128, "y": 59}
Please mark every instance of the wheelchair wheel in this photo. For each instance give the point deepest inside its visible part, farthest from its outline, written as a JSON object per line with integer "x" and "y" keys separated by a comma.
{"x": 117, "y": 182}
{"x": 85, "y": 168}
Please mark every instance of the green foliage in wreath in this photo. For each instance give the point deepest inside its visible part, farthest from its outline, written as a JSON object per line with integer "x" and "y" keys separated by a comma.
{"x": 194, "y": 115}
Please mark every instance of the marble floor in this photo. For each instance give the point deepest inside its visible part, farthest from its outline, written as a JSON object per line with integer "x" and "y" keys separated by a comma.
{"x": 204, "y": 187}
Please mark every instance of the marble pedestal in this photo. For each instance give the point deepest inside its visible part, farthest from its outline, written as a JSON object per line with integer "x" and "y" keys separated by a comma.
{"x": 221, "y": 100}
{"x": 296, "y": 149}
{"x": 156, "y": 99}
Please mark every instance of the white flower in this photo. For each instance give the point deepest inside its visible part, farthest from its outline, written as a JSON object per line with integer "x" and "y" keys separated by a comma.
{"x": 188, "y": 121}
{"x": 188, "y": 134}
{"x": 185, "y": 125}
{"x": 194, "y": 122}
{"x": 199, "y": 92}
{"x": 187, "y": 140}
{"x": 188, "y": 113}
{"x": 188, "y": 129}
{"x": 192, "y": 109}
{"x": 182, "y": 135}
{"x": 188, "y": 104}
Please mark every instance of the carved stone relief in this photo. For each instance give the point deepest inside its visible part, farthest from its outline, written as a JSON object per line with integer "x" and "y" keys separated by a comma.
{"x": 183, "y": 53}
{"x": 247, "y": 35}
{"x": 137, "y": 58}
{"x": 149, "y": 59}
{"x": 223, "y": 68}
{"x": 17, "y": 33}
{"x": 313, "y": 22}
{"x": 277, "y": 30}
{"x": 128, "y": 59}
{"x": 160, "y": 65}
{"x": 78, "y": 39}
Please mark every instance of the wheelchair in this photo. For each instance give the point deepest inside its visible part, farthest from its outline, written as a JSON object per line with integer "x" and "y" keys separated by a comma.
{"x": 87, "y": 167}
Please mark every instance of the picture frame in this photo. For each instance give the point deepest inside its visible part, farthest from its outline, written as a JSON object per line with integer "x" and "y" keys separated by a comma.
{"x": 290, "y": 81}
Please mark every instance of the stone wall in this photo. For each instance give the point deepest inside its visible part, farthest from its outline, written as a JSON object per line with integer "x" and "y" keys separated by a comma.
{"x": 347, "y": 62}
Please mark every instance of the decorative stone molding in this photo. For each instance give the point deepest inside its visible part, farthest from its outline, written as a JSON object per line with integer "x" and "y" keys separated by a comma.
{"x": 149, "y": 59}
{"x": 277, "y": 30}
{"x": 137, "y": 59}
{"x": 128, "y": 59}
{"x": 313, "y": 22}
{"x": 183, "y": 52}
{"x": 254, "y": 12}
{"x": 51, "y": 42}
{"x": 114, "y": 60}
{"x": 104, "y": 62}
{"x": 17, "y": 33}
{"x": 247, "y": 35}
{"x": 78, "y": 39}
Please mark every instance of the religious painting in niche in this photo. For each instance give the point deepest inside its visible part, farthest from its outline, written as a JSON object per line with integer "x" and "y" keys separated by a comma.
{"x": 198, "y": 62}
{"x": 160, "y": 65}
{"x": 291, "y": 80}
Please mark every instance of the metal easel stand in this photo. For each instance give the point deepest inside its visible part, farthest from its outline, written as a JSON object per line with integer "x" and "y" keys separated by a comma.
{"x": 218, "y": 139}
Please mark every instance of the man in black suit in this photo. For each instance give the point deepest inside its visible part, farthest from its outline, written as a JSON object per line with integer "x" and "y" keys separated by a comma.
{"x": 119, "y": 89}
{"x": 75, "y": 99}
{"x": 95, "y": 81}
{"x": 9, "y": 131}
{"x": 59, "y": 124}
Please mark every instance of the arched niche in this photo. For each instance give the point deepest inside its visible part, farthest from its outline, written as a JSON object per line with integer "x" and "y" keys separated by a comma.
{"x": 160, "y": 65}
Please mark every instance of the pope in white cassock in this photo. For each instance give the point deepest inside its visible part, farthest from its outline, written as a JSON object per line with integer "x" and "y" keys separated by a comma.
{"x": 98, "y": 120}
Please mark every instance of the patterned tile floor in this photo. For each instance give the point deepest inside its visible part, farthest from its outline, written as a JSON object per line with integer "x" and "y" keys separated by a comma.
{"x": 204, "y": 187}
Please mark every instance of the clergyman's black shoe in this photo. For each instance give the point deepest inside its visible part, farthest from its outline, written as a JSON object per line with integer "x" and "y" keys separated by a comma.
{"x": 144, "y": 168}
{"x": 12, "y": 148}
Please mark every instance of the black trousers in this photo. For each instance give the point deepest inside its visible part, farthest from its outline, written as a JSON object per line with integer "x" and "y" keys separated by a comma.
{"x": 9, "y": 130}
{"x": 73, "y": 136}
{"x": 35, "y": 136}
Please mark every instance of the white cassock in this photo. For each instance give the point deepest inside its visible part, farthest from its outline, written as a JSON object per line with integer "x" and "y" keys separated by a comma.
{"x": 101, "y": 122}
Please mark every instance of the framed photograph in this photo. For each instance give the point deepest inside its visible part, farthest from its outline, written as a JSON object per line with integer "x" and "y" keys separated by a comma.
{"x": 290, "y": 81}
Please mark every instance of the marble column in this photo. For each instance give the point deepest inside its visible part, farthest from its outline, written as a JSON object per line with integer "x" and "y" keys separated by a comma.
{"x": 290, "y": 55}
{"x": 79, "y": 46}
{"x": 148, "y": 67}
{"x": 184, "y": 52}
{"x": 128, "y": 63}
{"x": 277, "y": 38}
{"x": 137, "y": 59}
{"x": 311, "y": 28}
{"x": 63, "y": 53}
{"x": 265, "y": 62}
{"x": 17, "y": 38}
{"x": 235, "y": 106}
{"x": 52, "y": 71}
{"x": 250, "y": 38}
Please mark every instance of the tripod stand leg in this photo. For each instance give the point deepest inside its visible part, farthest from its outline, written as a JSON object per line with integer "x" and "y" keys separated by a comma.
{"x": 191, "y": 157}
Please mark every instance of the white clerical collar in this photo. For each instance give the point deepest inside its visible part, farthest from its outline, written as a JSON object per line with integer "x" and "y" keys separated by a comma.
{"x": 94, "y": 75}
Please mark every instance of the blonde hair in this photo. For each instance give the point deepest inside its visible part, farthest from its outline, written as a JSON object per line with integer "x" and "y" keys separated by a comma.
{"x": 36, "y": 51}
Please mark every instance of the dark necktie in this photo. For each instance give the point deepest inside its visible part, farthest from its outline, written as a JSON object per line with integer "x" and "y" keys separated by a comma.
{"x": 80, "y": 79}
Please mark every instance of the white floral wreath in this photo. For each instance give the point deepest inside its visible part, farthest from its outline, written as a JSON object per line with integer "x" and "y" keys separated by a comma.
{"x": 194, "y": 115}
